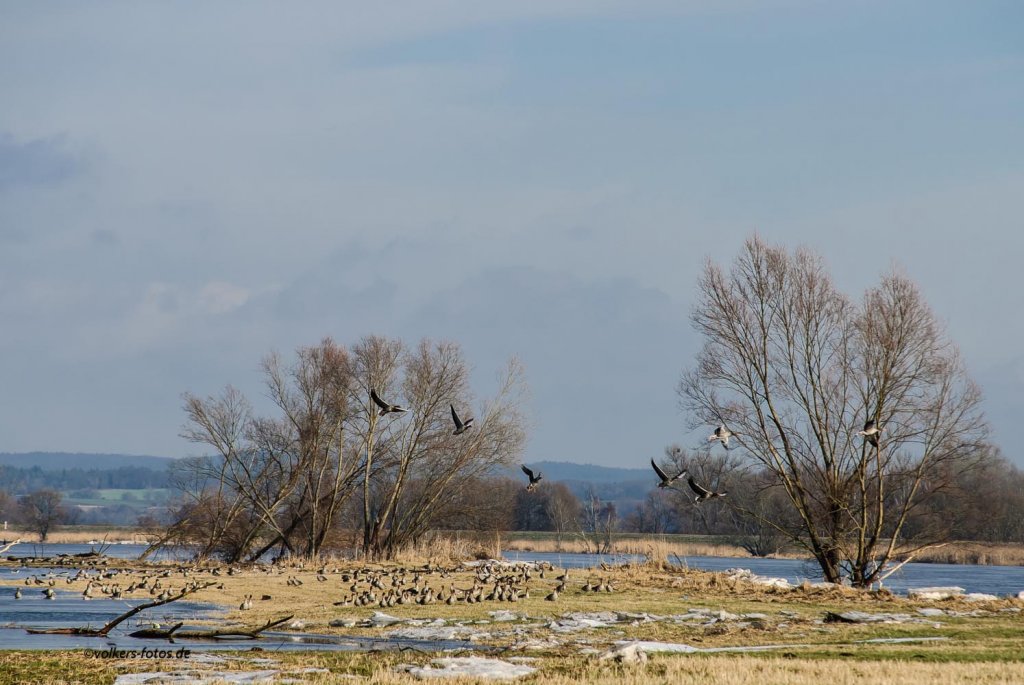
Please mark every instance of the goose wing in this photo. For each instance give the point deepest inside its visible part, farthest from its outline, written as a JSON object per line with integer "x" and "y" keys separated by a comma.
{"x": 696, "y": 488}
{"x": 657, "y": 469}
{"x": 528, "y": 472}
{"x": 377, "y": 400}
{"x": 455, "y": 417}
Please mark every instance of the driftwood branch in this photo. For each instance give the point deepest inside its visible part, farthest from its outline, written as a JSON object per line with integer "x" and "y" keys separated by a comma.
{"x": 156, "y": 633}
{"x": 102, "y": 632}
{"x": 214, "y": 634}
{"x": 9, "y": 545}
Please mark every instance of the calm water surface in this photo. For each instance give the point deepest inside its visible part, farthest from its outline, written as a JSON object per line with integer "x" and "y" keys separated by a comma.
{"x": 994, "y": 580}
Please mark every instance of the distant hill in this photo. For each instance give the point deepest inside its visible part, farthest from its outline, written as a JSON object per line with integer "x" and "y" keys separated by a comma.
{"x": 626, "y": 488}
{"x": 564, "y": 471}
{"x": 58, "y": 461}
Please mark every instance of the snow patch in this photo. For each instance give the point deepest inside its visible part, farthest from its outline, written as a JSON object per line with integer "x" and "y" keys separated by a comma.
{"x": 934, "y": 592}
{"x": 470, "y": 667}
{"x": 201, "y": 677}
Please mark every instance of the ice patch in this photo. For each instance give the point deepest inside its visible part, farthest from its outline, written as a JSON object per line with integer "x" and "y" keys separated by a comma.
{"x": 751, "y": 577}
{"x": 380, "y": 620}
{"x": 897, "y": 640}
{"x": 201, "y": 677}
{"x": 934, "y": 592}
{"x": 471, "y": 667}
{"x": 979, "y": 597}
{"x": 502, "y": 615}
{"x": 678, "y": 648}
{"x": 862, "y": 617}
{"x": 435, "y": 633}
{"x": 931, "y": 612}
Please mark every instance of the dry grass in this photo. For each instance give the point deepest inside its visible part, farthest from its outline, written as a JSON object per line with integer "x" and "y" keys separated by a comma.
{"x": 658, "y": 549}
{"x": 80, "y": 535}
{"x": 381, "y": 669}
{"x": 994, "y": 554}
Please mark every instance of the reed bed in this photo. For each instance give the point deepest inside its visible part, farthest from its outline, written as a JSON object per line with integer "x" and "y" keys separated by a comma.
{"x": 80, "y": 536}
{"x": 655, "y": 548}
{"x": 980, "y": 553}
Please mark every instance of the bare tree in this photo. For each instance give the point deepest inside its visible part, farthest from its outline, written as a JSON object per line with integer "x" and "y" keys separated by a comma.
{"x": 597, "y": 522}
{"x": 41, "y": 511}
{"x": 795, "y": 369}
{"x": 562, "y": 509}
{"x": 288, "y": 479}
{"x": 422, "y": 468}
{"x": 656, "y": 514}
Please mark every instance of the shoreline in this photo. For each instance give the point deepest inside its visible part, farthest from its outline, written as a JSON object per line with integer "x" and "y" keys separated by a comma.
{"x": 658, "y": 547}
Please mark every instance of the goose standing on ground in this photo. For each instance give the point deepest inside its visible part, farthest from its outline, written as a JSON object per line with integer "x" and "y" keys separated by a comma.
{"x": 666, "y": 480}
{"x": 722, "y": 434}
{"x": 703, "y": 493}
{"x": 870, "y": 432}
{"x": 460, "y": 425}
{"x": 385, "y": 408}
{"x": 533, "y": 479}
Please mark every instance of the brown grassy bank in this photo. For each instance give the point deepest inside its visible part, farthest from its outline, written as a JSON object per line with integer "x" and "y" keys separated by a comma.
{"x": 981, "y": 553}
{"x": 79, "y": 535}
{"x": 453, "y": 545}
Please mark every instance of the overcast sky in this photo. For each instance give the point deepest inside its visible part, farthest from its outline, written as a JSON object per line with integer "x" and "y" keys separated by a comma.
{"x": 187, "y": 186}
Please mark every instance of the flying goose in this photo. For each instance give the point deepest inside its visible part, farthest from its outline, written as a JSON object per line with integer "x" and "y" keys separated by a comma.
{"x": 703, "y": 493}
{"x": 722, "y": 434}
{"x": 385, "y": 408}
{"x": 666, "y": 480}
{"x": 460, "y": 425}
{"x": 870, "y": 432}
{"x": 533, "y": 479}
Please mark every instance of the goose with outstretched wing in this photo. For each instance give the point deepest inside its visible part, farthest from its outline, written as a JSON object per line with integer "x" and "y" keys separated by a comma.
{"x": 702, "y": 492}
{"x": 385, "y": 407}
{"x": 460, "y": 425}
{"x": 534, "y": 479}
{"x": 666, "y": 480}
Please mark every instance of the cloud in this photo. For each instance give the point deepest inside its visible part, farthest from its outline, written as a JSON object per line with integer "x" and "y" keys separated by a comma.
{"x": 218, "y": 297}
{"x": 44, "y": 161}
{"x": 601, "y": 356}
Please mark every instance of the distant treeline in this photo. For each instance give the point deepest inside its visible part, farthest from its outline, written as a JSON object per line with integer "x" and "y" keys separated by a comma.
{"x": 18, "y": 480}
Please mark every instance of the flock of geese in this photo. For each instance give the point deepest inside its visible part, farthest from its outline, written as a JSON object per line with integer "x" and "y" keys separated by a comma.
{"x": 363, "y": 587}
{"x": 461, "y": 426}
{"x": 721, "y": 434}
{"x": 108, "y": 584}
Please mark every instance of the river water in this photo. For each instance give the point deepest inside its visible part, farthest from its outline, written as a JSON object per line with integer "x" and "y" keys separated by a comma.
{"x": 994, "y": 580}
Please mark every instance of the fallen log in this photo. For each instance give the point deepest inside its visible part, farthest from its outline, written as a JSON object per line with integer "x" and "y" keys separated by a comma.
{"x": 212, "y": 634}
{"x": 156, "y": 633}
{"x": 9, "y": 545}
{"x": 102, "y": 632}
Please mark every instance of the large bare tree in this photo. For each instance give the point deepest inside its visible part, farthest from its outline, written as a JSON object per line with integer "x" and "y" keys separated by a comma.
{"x": 795, "y": 369}
{"x": 288, "y": 479}
{"x": 414, "y": 467}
